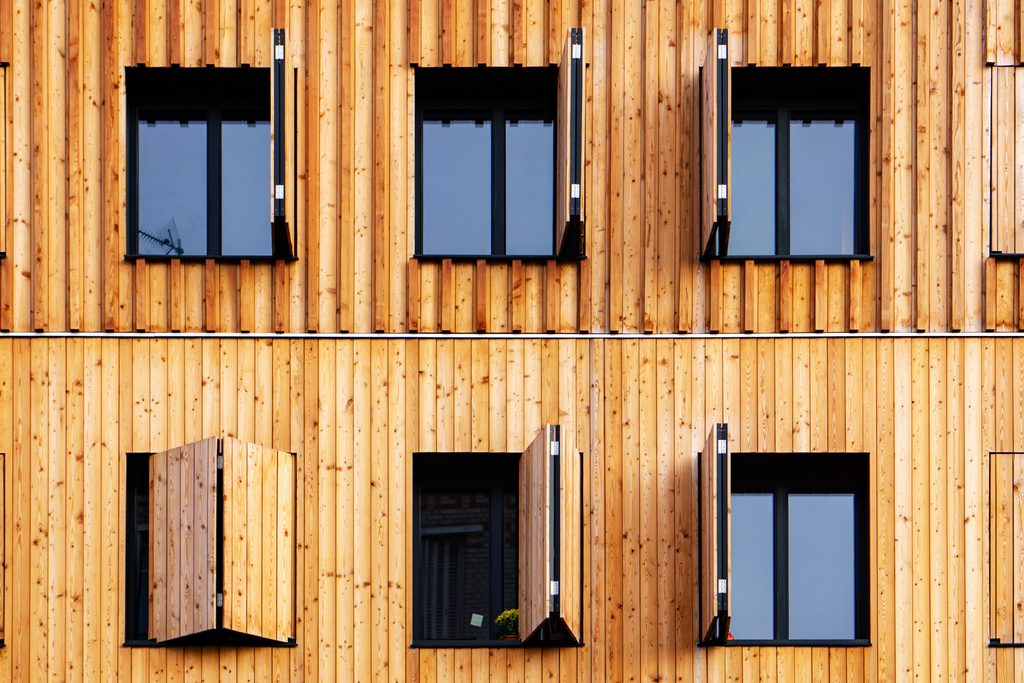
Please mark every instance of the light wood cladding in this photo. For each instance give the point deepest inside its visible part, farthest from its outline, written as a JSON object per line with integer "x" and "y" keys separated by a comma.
{"x": 258, "y": 541}
{"x": 927, "y": 410}
{"x": 1006, "y": 534}
{"x": 183, "y": 541}
{"x": 350, "y": 156}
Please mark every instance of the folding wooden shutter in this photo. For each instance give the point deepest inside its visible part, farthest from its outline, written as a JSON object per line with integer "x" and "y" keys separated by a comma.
{"x": 569, "y": 238}
{"x": 183, "y": 541}
{"x": 258, "y": 553}
{"x": 1006, "y": 548}
{"x": 716, "y": 123}
{"x": 283, "y": 242}
{"x": 714, "y": 536}
{"x": 550, "y": 537}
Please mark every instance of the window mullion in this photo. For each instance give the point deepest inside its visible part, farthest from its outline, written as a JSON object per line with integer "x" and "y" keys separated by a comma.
{"x": 498, "y": 240}
{"x": 782, "y": 242}
{"x": 213, "y": 183}
{"x": 781, "y": 564}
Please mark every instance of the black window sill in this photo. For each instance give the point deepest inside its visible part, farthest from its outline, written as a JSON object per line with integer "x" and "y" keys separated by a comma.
{"x": 1007, "y": 255}
{"x": 994, "y": 642}
{"x": 468, "y": 258}
{"x": 462, "y": 644}
{"x": 200, "y": 258}
{"x": 792, "y": 259}
{"x": 208, "y": 640}
{"x": 856, "y": 642}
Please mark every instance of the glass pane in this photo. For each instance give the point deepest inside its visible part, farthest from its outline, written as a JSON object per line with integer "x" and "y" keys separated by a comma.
{"x": 753, "y": 189}
{"x": 456, "y": 565}
{"x": 245, "y": 188}
{"x": 821, "y": 566}
{"x": 753, "y": 567}
{"x": 456, "y": 187}
{"x": 821, "y": 191}
{"x": 529, "y": 187}
{"x": 172, "y": 188}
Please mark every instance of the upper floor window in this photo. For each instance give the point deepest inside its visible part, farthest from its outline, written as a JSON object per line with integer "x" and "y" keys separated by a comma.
{"x": 200, "y": 162}
{"x": 791, "y": 177}
{"x": 499, "y": 159}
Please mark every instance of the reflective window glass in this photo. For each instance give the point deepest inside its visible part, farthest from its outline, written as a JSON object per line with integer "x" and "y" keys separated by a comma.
{"x": 456, "y": 187}
{"x": 822, "y": 189}
{"x": 821, "y": 566}
{"x": 753, "y": 570}
{"x": 172, "y": 188}
{"x": 753, "y": 188}
{"x": 245, "y": 188}
{"x": 529, "y": 187}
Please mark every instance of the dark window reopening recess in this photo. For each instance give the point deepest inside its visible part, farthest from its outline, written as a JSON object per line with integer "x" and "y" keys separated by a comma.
{"x": 784, "y": 547}
{"x": 499, "y": 160}
{"x": 205, "y": 175}
{"x": 499, "y": 531}
{"x": 465, "y": 561}
{"x": 798, "y": 164}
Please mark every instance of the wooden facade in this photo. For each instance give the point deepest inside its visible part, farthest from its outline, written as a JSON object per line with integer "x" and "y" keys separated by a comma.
{"x": 350, "y": 156}
{"x": 927, "y": 410}
{"x": 197, "y": 355}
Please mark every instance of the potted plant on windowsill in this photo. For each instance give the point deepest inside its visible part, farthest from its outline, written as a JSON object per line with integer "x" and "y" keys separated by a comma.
{"x": 508, "y": 624}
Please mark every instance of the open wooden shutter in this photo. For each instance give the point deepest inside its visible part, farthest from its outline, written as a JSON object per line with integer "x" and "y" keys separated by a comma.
{"x": 550, "y": 538}
{"x": 258, "y": 552}
{"x": 716, "y": 122}
{"x": 714, "y": 536}
{"x": 569, "y": 237}
{"x": 283, "y": 242}
{"x": 183, "y": 541}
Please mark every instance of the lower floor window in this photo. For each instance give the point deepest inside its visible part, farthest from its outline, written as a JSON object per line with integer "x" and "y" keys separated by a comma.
{"x": 465, "y": 559}
{"x": 799, "y": 547}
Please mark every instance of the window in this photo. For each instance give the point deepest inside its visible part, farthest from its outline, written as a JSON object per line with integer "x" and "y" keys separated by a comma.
{"x": 466, "y": 520}
{"x": 497, "y": 531}
{"x": 193, "y": 515}
{"x": 787, "y": 164}
{"x": 200, "y": 162}
{"x": 790, "y": 564}
{"x": 499, "y": 159}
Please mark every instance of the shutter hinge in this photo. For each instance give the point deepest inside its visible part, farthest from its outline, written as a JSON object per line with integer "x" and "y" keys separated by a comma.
{"x": 722, "y": 447}
{"x": 554, "y": 448}
{"x": 220, "y": 599}
{"x": 723, "y": 51}
{"x": 279, "y": 52}
{"x": 723, "y": 191}
{"x": 723, "y": 586}
{"x": 577, "y": 51}
{"x": 220, "y": 461}
{"x": 554, "y": 588}
{"x": 278, "y": 191}
{"x": 574, "y": 191}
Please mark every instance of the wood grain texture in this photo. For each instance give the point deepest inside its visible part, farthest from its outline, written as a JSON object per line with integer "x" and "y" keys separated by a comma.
{"x": 936, "y": 165}
{"x": 928, "y": 411}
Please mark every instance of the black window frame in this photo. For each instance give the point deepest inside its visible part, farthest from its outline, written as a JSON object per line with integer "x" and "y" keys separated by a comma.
{"x": 780, "y": 474}
{"x": 497, "y": 95}
{"x": 209, "y": 94}
{"x": 779, "y": 95}
{"x": 496, "y": 472}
